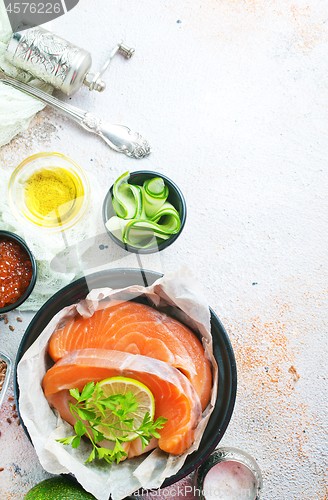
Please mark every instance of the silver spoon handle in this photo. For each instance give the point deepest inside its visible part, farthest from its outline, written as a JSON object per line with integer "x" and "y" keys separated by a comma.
{"x": 118, "y": 137}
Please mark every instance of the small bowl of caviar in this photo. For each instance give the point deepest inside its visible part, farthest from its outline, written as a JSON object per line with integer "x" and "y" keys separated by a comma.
{"x": 18, "y": 271}
{"x": 50, "y": 191}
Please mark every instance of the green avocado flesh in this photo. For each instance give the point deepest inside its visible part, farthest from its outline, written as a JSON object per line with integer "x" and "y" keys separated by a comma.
{"x": 58, "y": 488}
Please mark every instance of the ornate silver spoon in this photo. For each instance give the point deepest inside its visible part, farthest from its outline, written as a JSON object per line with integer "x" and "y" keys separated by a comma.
{"x": 118, "y": 137}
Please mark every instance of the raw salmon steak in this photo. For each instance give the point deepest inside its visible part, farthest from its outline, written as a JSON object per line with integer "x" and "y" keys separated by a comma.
{"x": 138, "y": 329}
{"x": 175, "y": 397}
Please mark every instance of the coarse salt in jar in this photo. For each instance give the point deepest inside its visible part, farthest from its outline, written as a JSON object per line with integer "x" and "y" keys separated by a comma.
{"x": 228, "y": 474}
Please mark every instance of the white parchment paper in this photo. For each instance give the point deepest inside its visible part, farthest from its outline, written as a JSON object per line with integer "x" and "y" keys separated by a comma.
{"x": 178, "y": 295}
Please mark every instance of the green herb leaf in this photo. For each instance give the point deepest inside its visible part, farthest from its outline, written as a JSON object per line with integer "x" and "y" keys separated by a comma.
{"x": 76, "y": 442}
{"x": 87, "y": 392}
{"x": 89, "y": 402}
{"x": 86, "y": 414}
{"x": 75, "y": 393}
{"x": 67, "y": 440}
{"x": 80, "y": 428}
{"x": 97, "y": 435}
{"x": 104, "y": 453}
{"x": 92, "y": 456}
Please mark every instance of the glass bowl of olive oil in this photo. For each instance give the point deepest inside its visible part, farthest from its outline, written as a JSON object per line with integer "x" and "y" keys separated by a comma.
{"x": 49, "y": 190}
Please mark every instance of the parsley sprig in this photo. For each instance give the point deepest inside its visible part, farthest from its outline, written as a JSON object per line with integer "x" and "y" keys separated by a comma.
{"x": 87, "y": 421}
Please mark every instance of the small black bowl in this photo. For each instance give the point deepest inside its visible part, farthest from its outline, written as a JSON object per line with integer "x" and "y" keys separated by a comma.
{"x": 223, "y": 353}
{"x": 175, "y": 197}
{"x": 7, "y": 235}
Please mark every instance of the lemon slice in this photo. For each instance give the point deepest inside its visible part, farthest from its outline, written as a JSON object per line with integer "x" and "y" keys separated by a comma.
{"x": 145, "y": 399}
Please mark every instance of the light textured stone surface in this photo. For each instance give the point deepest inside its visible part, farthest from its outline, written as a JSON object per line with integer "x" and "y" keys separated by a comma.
{"x": 233, "y": 98}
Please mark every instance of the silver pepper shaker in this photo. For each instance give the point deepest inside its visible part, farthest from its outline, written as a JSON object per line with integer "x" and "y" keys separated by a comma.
{"x": 56, "y": 61}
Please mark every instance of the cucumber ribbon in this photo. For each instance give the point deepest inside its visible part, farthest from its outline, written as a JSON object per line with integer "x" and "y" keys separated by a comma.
{"x": 142, "y": 212}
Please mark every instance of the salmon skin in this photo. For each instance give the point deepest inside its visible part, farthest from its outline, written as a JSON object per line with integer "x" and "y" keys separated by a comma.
{"x": 175, "y": 397}
{"x": 138, "y": 329}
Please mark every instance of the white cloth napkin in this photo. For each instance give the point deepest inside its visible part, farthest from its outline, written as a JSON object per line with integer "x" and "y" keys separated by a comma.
{"x": 45, "y": 247}
{"x": 16, "y": 108}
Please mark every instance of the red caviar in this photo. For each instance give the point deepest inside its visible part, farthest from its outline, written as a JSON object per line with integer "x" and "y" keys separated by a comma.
{"x": 15, "y": 272}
